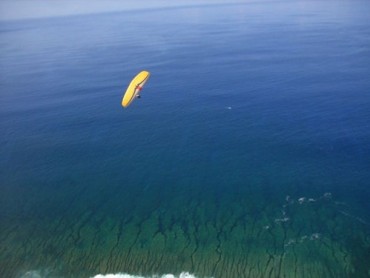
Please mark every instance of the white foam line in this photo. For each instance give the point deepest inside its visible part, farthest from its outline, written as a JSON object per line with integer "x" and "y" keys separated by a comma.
{"x": 44, "y": 273}
{"x": 125, "y": 275}
{"x": 354, "y": 217}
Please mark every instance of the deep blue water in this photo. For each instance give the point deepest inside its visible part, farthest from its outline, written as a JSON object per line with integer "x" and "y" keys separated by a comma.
{"x": 246, "y": 104}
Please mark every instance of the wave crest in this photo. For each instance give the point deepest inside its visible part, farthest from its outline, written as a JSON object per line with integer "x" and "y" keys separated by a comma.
{"x": 125, "y": 275}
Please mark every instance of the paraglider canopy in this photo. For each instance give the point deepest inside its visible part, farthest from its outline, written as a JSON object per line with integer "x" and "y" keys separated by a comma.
{"x": 136, "y": 85}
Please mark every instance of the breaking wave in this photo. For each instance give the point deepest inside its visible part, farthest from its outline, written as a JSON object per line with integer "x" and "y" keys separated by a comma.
{"x": 125, "y": 275}
{"x": 45, "y": 273}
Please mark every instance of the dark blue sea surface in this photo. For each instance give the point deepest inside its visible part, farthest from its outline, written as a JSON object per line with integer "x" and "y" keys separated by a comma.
{"x": 248, "y": 154}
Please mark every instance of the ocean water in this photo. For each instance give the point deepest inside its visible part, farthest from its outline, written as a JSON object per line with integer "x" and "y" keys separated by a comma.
{"x": 248, "y": 154}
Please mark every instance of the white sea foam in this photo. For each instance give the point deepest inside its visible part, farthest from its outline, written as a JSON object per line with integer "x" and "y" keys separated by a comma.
{"x": 315, "y": 236}
{"x": 327, "y": 195}
{"x": 304, "y": 238}
{"x": 302, "y": 200}
{"x": 34, "y": 274}
{"x": 44, "y": 273}
{"x": 282, "y": 220}
{"x": 125, "y": 275}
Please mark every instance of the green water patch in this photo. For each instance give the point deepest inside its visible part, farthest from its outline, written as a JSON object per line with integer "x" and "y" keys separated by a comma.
{"x": 209, "y": 232}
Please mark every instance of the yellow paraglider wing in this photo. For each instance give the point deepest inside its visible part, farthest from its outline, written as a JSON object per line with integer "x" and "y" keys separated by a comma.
{"x": 133, "y": 90}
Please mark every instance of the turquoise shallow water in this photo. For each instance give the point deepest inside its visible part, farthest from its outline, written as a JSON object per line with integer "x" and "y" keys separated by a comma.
{"x": 248, "y": 154}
